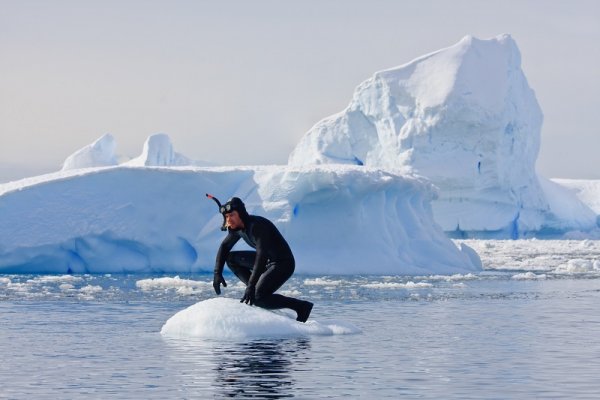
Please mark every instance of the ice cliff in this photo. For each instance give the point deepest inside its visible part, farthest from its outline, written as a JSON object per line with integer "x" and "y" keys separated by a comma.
{"x": 465, "y": 118}
{"x": 337, "y": 219}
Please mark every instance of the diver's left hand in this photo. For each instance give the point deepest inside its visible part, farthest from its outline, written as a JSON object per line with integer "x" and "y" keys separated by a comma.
{"x": 218, "y": 280}
{"x": 248, "y": 295}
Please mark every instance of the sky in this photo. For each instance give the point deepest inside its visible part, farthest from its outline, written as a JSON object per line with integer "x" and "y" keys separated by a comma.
{"x": 240, "y": 82}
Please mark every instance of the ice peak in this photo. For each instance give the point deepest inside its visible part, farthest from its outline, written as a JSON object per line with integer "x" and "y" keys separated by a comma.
{"x": 100, "y": 153}
{"x": 158, "y": 152}
{"x": 391, "y": 114}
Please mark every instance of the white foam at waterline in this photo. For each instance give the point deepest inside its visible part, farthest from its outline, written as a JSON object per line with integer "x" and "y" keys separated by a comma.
{"x": 225, "y": 318}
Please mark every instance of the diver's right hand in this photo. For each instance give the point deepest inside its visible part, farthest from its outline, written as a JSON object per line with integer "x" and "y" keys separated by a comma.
{"x": 217, "y": 281}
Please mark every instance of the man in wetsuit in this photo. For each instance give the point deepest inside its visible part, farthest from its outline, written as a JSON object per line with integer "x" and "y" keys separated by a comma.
{"x": 264, "y": 270}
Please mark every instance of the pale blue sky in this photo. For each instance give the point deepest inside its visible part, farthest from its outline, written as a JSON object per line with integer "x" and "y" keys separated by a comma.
{"x": 239, "y": 82}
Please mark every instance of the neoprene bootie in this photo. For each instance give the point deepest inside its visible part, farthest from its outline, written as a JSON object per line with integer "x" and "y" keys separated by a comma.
{"x": 304, "y": 311}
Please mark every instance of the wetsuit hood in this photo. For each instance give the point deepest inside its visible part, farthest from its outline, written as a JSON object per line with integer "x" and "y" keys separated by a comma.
{"x": 236, "y": 204}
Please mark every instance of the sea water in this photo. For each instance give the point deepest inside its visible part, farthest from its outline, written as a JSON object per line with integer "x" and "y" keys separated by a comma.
{"x": 492, "y": 335}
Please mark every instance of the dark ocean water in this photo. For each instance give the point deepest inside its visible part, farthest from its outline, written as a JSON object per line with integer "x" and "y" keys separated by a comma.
{"x": 460, "y": 337}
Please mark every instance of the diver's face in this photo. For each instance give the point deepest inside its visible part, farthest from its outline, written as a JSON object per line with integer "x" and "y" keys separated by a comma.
{"x": 233, "y": 220}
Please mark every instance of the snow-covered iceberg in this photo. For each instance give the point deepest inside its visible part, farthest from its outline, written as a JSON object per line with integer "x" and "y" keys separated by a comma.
{"x": 338, "y": 220}
{"x": 100, "y": 153}
{"x": 465, "y": 118}
{"x": 159, "y": 152}
{"x": 586, "y": 190}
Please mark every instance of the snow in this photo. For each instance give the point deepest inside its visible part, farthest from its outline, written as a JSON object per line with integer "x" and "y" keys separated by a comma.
{"x": 123, "y": 219}
{"x": 224, "y": 318}
{"x": 465, "y": 118}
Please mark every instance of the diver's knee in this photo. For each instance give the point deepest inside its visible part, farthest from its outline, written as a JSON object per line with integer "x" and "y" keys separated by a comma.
{"x": 235, "y": 260}
{"x": 230, "y": 260}
{"x": 240, "y": 259}
{"x": 260, "y": 302}
{"x": 260, "y": 297}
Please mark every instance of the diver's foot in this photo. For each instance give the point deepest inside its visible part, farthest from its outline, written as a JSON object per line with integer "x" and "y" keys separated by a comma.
{"x": 304, "y": 311}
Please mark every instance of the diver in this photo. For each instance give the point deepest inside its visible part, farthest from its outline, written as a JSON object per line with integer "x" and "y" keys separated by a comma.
{"x": 264, "y": 270}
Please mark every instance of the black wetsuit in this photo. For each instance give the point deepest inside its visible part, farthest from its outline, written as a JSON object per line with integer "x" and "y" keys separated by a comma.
{"x": 267, "y": 268}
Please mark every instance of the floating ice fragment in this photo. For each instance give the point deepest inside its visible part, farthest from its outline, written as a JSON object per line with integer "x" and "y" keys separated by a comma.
{"x": 66, "y": 287}
{"x": 322, "y": 282}
{"x": 528, "y": 276}
{"x": 578, "y": 266}
{"x": 55, "y": 279}
{"x": 397, "y": 285}
{"x": 90, "y": 289}
{"x": 225, "y": 318}
{"x": 452, "y": 278}
{"x": 183, "y": 286}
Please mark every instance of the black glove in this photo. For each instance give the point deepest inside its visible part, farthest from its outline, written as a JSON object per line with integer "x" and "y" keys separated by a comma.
{"x": 248, "y": 295}
{"x": 217, "y": 281}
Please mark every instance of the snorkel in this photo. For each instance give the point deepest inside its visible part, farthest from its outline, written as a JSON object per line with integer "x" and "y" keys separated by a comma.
{"x": 210, "y": 196}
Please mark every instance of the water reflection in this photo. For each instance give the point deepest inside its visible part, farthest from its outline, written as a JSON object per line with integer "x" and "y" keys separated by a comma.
{"x": 257, "y": 368}
{"x": 260, "y": 368}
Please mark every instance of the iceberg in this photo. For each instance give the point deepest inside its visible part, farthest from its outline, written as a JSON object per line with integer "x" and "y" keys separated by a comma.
{"x": 445, "y": 143}
{"x": 465, "y": 118}
{"x": 586, "y": 190}
{"x": 338, "y": 220}
{"x": 158, "y": 152}
{"x": 100, "y": 153}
